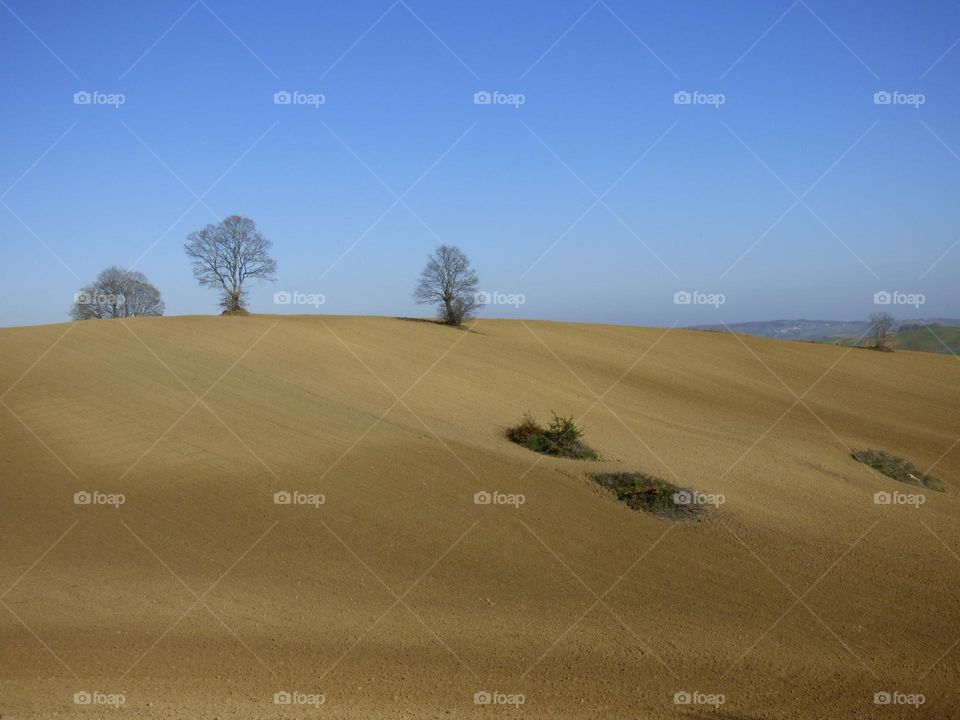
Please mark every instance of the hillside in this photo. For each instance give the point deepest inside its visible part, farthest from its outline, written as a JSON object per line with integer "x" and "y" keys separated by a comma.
{"x": 398, "y": 596}
{"x": 942, "y": 339}
{"x": 819, "y": 330}
{"x": 791, "y": 329}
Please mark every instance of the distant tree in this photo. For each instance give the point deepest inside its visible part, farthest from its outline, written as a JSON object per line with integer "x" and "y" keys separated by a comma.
{"x": 228, "y": 254}
{"x": 449, "y": 282}
{"x": 880, "y": 325}
{"x": 117, "y": 293}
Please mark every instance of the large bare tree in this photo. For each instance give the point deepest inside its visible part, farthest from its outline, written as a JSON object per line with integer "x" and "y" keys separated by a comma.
{"x": 117, "y": 293}
{"x": 228, "y": 254}
{"x": 449, "y": 282}
{"x": 880, "y": 325}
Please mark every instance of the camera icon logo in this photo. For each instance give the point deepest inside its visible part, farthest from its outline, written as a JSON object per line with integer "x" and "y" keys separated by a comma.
{"x": 282, "y": 498}
{"x": 282, "y": 298}
{"x": 882, "y": 698}
{"x": 483, "y": 298}
{"x": 682, "y": 97}
{"x": 882, "y": 298}
{"x": 82, "y": 698}
{"x": 282, "y": 97}
{"x": 482, "y": 698}
{"x": 82, "y": 97}
{"x": 482, "y": 97}
{"x": 82, "y": 498}
{"x": 682, "y": 698}
{"x": 282, "y": 698}
{"x": 683, "y": 497}
{"x": 882, "y": 97}
{"x": 682, "y": 298}
{"x": 882, "y": 497}
{"x": 482, "y": 498}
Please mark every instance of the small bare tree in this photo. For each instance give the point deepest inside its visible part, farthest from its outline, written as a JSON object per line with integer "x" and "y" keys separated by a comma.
{"x": 117, "y": 293}
{"x": 880, "y": 325}
{"x": 449, "y": 282}
{"x": 228, "y": 254}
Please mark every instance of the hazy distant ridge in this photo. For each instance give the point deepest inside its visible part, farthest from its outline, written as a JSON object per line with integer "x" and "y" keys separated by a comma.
{"x": 810, "y": 329}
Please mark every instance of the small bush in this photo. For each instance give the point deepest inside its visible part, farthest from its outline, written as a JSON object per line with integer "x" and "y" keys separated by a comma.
{"x": 560, "y": 438}
{"x": 527, "y": 429}
{"x": 639, "y": 491}
{"x": 563, "y": 431}
{"x": 897, "y": 468}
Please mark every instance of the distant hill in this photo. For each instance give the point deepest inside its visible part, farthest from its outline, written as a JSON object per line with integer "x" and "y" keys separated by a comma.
{"x": 913, "y": 336}
{"x": 944, "y": 339}
{"x": 792, "y": 329}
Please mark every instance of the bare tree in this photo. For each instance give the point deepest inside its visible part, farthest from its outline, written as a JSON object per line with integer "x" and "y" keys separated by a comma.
{"x": 450, "y": 283}
{"x": 226, "y": 255}
{"x": 880, "y": 325}
{"x": 117, "y": 293}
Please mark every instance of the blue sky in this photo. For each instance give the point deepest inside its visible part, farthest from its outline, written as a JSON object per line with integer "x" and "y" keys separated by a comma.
{"x": 598, "y": 198}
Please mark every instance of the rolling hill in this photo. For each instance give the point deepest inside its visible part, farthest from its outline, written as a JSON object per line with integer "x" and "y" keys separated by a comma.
{"x": 819, "y": 330}
{"x": 203, "y": 513}
{"x": 941, "y": 339}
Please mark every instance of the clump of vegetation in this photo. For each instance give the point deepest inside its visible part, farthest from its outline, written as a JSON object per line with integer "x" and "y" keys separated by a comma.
{"x": 639, "y": 491}
{"x": 897, "y": 468}
{"x": 560, "y": 438}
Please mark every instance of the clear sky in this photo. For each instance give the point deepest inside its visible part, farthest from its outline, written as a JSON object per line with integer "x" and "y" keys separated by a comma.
{"x": 782, "y": 185}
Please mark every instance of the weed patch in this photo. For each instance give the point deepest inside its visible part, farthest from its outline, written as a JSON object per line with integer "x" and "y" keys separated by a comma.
{"x": 898, "y": 468}
{"x": 561, "y": 438}
{"x": 639, "y": 491}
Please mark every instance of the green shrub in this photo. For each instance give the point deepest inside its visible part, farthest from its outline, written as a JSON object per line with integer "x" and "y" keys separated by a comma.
{"x": 527, "y": 429}
{"x": 538, "y": 443}
{"x": 639, "y": 491}
{"x": 563, "y": 431}
{"x": 560, "y": 438}
{"x": 897, "y": 468}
